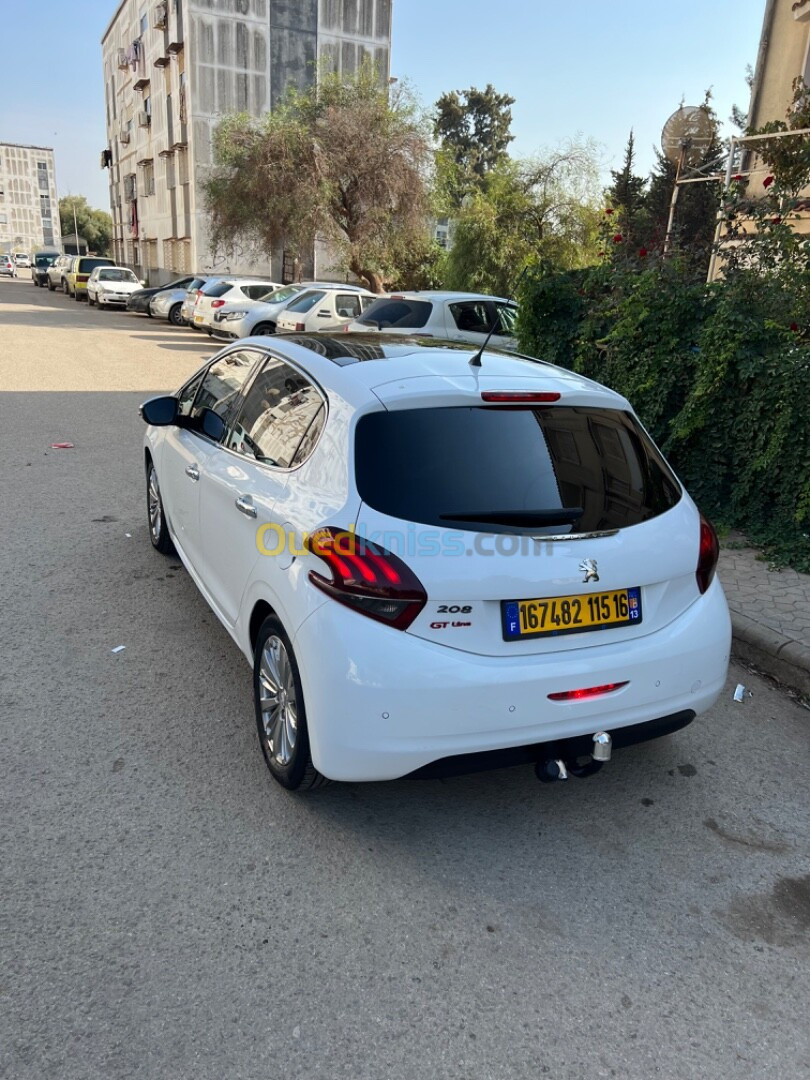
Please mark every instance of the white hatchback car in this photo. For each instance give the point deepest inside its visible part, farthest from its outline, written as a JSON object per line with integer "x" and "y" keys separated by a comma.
{"x": 433, "y": 565}
{"x": 458, "y": 316}
{"x": 111, "y": 286}
{"x": 324, "y": 308}
{"x": 218, "y": 292}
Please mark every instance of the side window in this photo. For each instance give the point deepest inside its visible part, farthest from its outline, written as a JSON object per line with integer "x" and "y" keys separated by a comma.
{"x": 311, "y": 436}
{"x": 222, "y": 384}
{"x": 471, "y": 315}
{"x": 254, "y": 291}
{"x": 277, "y": 415}
{"x": 365, "y": 301}
{"x": 186, "y": 396}
{"x": 347, "y": 305}
{"x": 506, "y": 320}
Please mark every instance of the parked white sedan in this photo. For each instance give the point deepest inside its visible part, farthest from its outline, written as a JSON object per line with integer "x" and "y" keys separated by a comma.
{"x": 215, "y": 294}
{"x": 454, "y": 315}
{"x": 324, "y": 308}
{"x": 435, "y": 564}
{"x": 111, "y": 286}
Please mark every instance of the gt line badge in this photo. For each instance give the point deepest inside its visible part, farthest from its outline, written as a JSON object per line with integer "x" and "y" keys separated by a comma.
{"x": 588, "y": 568}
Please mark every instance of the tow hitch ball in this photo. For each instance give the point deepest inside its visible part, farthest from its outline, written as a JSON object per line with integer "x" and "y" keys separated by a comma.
{"x": 560, "y": 769}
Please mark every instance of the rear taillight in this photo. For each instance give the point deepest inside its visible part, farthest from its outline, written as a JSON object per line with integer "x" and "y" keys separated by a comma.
{"x": 217, "y": 303}
{"x": 197, "y": 297}
{"x": 299, "y": 326}
{"x": 708, "y": 555}
{"x": 366, "y": 577}
{"x": 82, "y": 277}
{"x": 587, "y": 692}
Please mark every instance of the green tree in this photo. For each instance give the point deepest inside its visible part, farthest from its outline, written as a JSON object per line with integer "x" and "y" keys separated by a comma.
{"x": 543, "y": 210}
{"x": 345, "y": 161}
{"x": 627, "y": 200}
{"x": 472, "y": 127}
{"x": 95, "y": 226}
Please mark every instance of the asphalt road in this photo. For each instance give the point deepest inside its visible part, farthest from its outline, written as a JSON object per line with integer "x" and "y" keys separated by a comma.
{"x": 168, "y": 911}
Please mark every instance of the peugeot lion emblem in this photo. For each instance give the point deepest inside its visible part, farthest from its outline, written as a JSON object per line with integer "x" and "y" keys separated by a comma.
{"x": 588, "y": 568}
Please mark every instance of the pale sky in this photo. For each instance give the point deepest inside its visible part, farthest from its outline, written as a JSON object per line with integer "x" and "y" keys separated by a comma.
{"x": 586, "y": 68}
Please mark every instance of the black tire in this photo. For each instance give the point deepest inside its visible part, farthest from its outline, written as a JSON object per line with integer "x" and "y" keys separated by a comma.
{"x": 90, "y": 300}
{"x": 156, "y": 515}
{"x": 297, "y": 773}
{"x": 65, "y": 287}
{"x": 174, "y": 315}
{"x": 149, "y": 312}
{"x": 264, "y": 329}
{"x": 77, "y": 296}
{"x": 51, "y": 286}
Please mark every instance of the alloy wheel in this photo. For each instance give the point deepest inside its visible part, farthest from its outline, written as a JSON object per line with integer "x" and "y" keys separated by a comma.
{"x": 277, "y": 701}
{"x": 155, "y": 509}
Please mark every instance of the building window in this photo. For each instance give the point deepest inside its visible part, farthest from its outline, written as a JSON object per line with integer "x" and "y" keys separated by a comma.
{"x": 148, "y": 178}
{"x": 144, "y": 24}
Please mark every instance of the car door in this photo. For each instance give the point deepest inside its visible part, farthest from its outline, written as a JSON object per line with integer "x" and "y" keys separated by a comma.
{"x": 186, "y": 451}
{"x": 241, "y": 519}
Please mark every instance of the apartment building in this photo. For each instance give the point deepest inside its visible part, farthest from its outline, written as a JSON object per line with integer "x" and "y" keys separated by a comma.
{"x": 29, "y": 206}
{"x": 172, "y": 69}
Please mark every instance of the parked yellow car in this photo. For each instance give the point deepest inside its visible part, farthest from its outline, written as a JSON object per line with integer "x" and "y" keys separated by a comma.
{"x": 76, "y": 275}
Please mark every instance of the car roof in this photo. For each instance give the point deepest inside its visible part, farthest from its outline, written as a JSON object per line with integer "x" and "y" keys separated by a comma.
{"x": 355, "y": 365}
{"x": 440, "y": 295}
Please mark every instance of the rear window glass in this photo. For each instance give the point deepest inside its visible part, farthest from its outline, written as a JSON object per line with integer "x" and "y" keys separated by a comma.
{"x": 219, "y": 288}
{"x": 446, "y": 466}
{"x": 278, "y": 296}
{"x": 44, "y": 260}
{"x": 306, "y": 301}
{"x": 410, "y": 314}
{"x": 197, "y": 283}
{"x": 86, "y": 266}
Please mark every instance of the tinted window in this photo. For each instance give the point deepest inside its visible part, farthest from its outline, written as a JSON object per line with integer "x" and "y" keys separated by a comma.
{"x": 44, "y": 260}
{"x": 441, "y": 466}
{"x": 218, "y": 288}
{"x": 347, "y": 305}
{"x": 86, "y": 266}
{"x": 254, "y": 291}
{"x": 472, "y": 316}
{"x": 277, "y": 416}
{"x": 306, "y": 301}
{"x": 195, "y": 283}
{"x": 392, "y": 312}
{"x": 222, "y": 383}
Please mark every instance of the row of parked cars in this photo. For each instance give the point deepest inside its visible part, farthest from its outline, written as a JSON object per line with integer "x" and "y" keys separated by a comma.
{"x": 230, "y": 307}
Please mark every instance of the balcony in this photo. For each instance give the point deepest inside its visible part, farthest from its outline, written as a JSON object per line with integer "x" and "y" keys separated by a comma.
{"x": 162, "y": 62}
{"x": 141, "y": 84}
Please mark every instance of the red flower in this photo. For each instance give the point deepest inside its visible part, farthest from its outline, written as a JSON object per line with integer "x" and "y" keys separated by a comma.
{"x": 642, "y": 253}
{"x": 738, "y": 177}
{"x": 608, "y": 209}
{"x": 767, "y": 181}
{"x": 617, "y": 239}
{"x": 776, "y": 220}
{"x": 794, "y": 327}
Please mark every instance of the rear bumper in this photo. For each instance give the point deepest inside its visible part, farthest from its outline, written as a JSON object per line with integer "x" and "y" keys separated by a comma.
{"x": 381, "y": 703}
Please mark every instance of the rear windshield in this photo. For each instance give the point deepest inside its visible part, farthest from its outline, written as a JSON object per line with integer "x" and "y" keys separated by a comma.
{"x": 449, "y": 466}
{"x": 197, "y": 283}
{"x": 44, "y": 260}
{"x": 306, "y": 301}
{"x": 410, "y": 314}
{"x": 219, "y": 288}
{"x": 86, "y": 266}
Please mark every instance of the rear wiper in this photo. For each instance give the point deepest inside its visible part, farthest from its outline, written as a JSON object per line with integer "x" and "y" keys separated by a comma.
{"x": 562, "y": 516}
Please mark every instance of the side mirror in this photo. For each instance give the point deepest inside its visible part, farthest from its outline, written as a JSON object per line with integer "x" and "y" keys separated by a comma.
{"x": 213, "y": 425}
{"x": 159, "y": 411}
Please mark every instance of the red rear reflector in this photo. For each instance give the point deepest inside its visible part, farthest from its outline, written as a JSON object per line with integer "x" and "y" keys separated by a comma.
{"x": 366, "y": 577}
{"x": 299, "y": 326}
{"x": 217, "y": 303}
{"x": 82, "y": 277}
{"x": 588, "y": 692}
{"x": 512, "y": 397}
{"x": 708, "y": 555}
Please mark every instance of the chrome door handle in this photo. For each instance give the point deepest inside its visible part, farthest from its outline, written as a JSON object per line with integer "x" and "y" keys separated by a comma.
{"x": 244, "y": 504}
{"x": 193, "y": 472}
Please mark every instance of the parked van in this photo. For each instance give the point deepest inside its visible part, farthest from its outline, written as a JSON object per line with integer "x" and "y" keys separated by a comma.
{"x": 39, "y": 265}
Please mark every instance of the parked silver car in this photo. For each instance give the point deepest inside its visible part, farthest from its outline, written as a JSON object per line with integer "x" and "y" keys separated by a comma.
{"x": 169, "y": 303}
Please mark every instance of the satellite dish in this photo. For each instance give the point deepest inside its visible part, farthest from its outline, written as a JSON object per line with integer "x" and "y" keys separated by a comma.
{"x": 688, "y": 134}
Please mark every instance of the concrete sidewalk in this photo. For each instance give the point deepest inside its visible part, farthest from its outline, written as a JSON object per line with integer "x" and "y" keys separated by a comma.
{"x": 770, "y": 614}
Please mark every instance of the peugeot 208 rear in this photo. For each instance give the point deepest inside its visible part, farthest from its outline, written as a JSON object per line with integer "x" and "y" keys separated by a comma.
{"x": 481, "y": 564}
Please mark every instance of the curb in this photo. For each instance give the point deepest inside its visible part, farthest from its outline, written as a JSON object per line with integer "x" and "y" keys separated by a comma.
{"x": 786, "y": 660}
